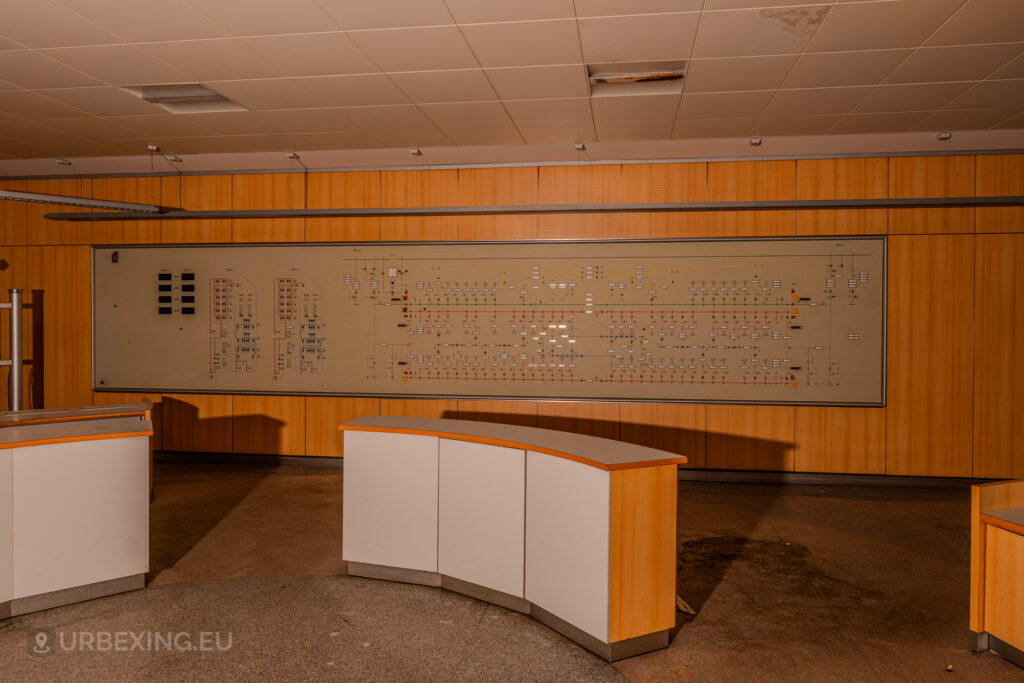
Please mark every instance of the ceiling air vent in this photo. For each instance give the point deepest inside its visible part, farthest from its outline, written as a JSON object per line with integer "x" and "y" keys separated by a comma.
{"x": 184, "y": 98}
{"x": 636, "y": 78}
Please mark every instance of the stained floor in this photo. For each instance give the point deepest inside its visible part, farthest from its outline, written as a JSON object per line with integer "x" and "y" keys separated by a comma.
{"x": 789, "y": 583}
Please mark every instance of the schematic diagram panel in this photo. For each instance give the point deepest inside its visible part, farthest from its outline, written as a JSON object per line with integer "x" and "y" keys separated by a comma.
{"x": 737, "y": 320}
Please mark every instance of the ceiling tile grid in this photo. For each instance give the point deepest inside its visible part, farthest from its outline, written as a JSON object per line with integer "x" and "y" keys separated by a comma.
{"x": 400, "y": 73}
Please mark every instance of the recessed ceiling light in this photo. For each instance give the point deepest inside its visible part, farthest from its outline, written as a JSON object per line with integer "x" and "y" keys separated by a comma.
{"x": 184, "y": 98}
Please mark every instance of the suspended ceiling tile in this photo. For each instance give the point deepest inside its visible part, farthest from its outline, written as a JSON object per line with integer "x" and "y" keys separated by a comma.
{"x": 141, "y": 21}
{"x": 32, "y": 70}
{"x": 558, "y": 134}
{"x": 611, "y": 8}
{"x": 744, "y": 4}
{"x": 353, "y": 16}
{"x": 267, "y": 93}
{"x": 966, "y": 119}
{"x": 982, "y": 21}
{"x": 239, "y": 122}
{"x": 991, "y": 95}
{"x": 10, "y": 45}
{"x": 956, "y": 63}
{"x": 881, "y": 25}
{"x": 487, "y": 11}
{"x": 4, "y": 85}
{"x": 223, "y": 59}
{"x": 74, "y": 147}
{"x": 634, "y": 108}
{"x": 795, "y": 125}
{"x": 890, "y": 122}
{"x": 767, "y": 31}
{"x": 307, "y": 120}
{"x": 729, "y": 74}
{"x": 346, "y": 139}
{"x": 41, "y": 23}
{"x": 168, "y": 145}
{"x": 549, "y": 42}
{"x": 32, "y": 105}
{"x": 563, "y": 112}
{"x": 101, "y": 101}
{"x": 265, "y": 17}
{"x": 633, "y": 130}
{"x": 724, "y": 104}
{"x": 815, "y": 101}
{"x": 30, "y": 131}
{"x": 1014, "y": 69}
{"x": 843, "y": 68}
{"x": 638, "y": 38}
{"x": 913, "y": 97}
{"x": 90, "y": 128}
{"x": 412, "y": 137}
{"x": 404, "y": 116}
{"x": 164, "y": 125}
{"x": 713, "y": 128}
{"x": 353, "y": 91}
{"x": 314, "y": 54}
{"x": 537, "y": 82}
{"x": 416, "y": 49}
{"x": 466, "y": 135}
{"x": 468, "y": 114}
{"x": 221, "y": 144}
{"x": 1015, "y": 121}
{"x": 464, "y": 85}
{"x": 117, "y": 64}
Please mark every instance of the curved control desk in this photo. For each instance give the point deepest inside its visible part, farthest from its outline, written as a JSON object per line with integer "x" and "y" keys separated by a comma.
{"x": 74, "y": 505}
{"x": 577, "y": 531}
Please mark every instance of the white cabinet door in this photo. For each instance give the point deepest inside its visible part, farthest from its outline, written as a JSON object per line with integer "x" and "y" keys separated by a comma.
{"x": 482, "y": 515}
{"x": 390, "y": 506}
{"x": 6, "y": 524}
{"x": 81, "y": 513}
{"x": 567, "y": 509}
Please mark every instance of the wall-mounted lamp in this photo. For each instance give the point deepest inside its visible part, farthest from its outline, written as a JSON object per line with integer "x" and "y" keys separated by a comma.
{"x": 293, "y": 156}
{"x": 944, "y": 135}
{"x": 416, "y": 151}
{"x": 579, "y": 147}
{"x": 175, "y": 158}
{"x": 755, "y": 142}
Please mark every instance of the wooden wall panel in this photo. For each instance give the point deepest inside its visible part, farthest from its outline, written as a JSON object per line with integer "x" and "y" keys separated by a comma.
{"x": 945, "y": 176}
{"x": 750, "y": 437}
{"x": 14, "y": 274}
{"x": 13, "y": 215}
{"x": 103, "y": 398}
{"x": 415, "y": 407}
{"x": 325, "y": 413}
{"x": 196, "y": 193}
{"x": 510, "y": 186}
{"x": 642, "y": 552}
{"x": 271, "y": 425}
{"x": 665, "y": 183}
{"x": 595, "y": 419}
{"x": 674, "y": 427}
{"x": 59, "y": 279}
{"x": 1004, "y": 596}
{"x": 751, "y": 181}
{"x": 44, "y": 231}
{"x": 600, "y": 184}
{"x": 435, "y": 187}
{"x": 848, "y": 440}
{"x": 142, "y": 190}
{"x": 506, "y": 412}
{"x": 999, "y": 175}
{"x": 842, "y": 179}
{"x": 344, "y": 190}
{"x": 268, "y": 191}
{"x": 998, "y": 369}
{"x": 196, "y": 423}
{"x": 930, "y": 369}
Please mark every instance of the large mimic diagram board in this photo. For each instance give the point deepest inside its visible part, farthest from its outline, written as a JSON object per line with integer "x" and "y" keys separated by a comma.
{"x": 736, "y": 320}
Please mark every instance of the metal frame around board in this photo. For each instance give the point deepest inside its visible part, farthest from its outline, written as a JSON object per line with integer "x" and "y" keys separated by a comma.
{"x": 499, "y": 397}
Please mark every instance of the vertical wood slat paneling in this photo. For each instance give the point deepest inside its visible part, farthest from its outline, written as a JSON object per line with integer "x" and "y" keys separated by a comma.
{"x": 595, "y": 419}
{"x": 343, "y": 190}
{"x": 141, "y": 190}
{"x": 751, "y": 181}
{"x": 325, "y": 413}
{"x": 999, "y": 175}
{"x": 750, "y": 437}
{"x": 946, "y": 176}
{"x": 45, "y": 231}
{"x": 506, "y": 412}
{"x": 508, "y": 186}
{"x": 434, "y": 187}
{"x": 418, "y": 407}
{"x": 998, "y": 370}
{"x": 674, "y": 427}
{"x": 930, "y": 369}
{"x": 665, "y": 183}
{"x": 270, "y": 425}
{"x": 13, "y": 215}
{"x": 839, "y": 440}
{"x": 196, "y": 193}
{"x": 197, "y": 423}
{"x": 579, "y": 185}
{"x": 842, "y": 179}
{"x": 267, "y": 191}
{"x": 104, "y": 398}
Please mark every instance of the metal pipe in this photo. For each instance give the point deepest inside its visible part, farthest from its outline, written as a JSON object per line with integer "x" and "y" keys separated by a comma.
{"x": 14, "y": 386}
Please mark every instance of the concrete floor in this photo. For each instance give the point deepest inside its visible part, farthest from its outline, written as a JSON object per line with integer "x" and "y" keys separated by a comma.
{"x": 789, "y": 583}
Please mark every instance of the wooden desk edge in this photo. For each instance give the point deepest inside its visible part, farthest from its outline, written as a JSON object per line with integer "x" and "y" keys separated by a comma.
{"x": 1002, "y": 523}
{"x": 71, "y": 439}
{"x": 455, "y": 436}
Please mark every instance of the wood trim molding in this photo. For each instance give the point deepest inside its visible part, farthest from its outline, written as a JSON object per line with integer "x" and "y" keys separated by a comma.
{"x": 72, "y": 439}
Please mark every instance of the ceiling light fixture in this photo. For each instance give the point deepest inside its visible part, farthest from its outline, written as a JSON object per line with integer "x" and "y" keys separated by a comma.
{"x": 175, "y": 158}
{"x": 636, "y": 78}
{"x": 944, "y": 135}
{"x": 61, "y": 161}
{"x": 755, "y": 142}
{"x": 293, "y": 156}
{"x": 184, "y": 98}
{"x": 77, "y": 201}
{"x": 416, "y": 151}
{"x": 579, "y": 147}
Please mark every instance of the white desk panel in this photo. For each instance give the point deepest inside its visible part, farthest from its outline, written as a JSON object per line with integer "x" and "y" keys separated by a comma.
{"x": 390, "y": 517}
{"x": 482, "y": 515}
{"x": 6, "y": 523}
{"x": 567, "y": 527}
{"x": 81, "y": 513}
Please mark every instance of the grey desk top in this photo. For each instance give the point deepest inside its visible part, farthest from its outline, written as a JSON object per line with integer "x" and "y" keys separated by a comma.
{"x": 59, "y": 414}
{"x": 1012, "y": 515}
{"x": 601, "y": 453}
{"x": 58, "y": 432}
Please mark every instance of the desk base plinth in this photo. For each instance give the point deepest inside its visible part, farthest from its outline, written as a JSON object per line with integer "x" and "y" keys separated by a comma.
{"x": 68, "y": 596}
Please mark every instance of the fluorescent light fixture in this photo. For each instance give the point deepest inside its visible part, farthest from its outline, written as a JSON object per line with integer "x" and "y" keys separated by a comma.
{"x": 636, "y": 78}
{"x": 77, "y": 201}
{"x": 184, "y": 98}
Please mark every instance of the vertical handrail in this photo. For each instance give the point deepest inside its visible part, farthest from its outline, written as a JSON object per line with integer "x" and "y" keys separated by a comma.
{"x": 14, "y": 390}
